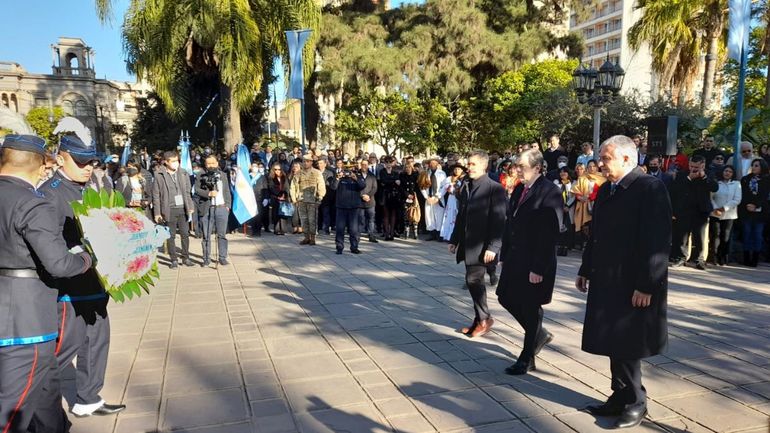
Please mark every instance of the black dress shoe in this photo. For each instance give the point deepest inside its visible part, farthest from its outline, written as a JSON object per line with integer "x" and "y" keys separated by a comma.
{"x": 605, "y": 409}
{"x": 188, "y": 262}
{"x": 109, "y": 409}
{"x": 173, "y": 265}
{"x": 547, "y": 338}
{"x": 206, "y": 263}
{"x": 373, "y": 240}
{"x": 355, "y": 251}
{"x": 520, "y": 367}
{"x": 339, "y": 252}
{"x": 631, "y": 417}
{"x": 223, "y": 262}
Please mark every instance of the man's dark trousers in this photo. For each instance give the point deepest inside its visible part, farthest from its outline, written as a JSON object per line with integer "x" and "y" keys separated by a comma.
{"x": 347, "y": 218}
{"x": 530, "y": 317}
{"x": 474, "y": 279}
{"x": 627, "y": 382}
{"x": 178, "y": 223}
{"x": 681, "y": 231}
{"x": 215, "y": 219}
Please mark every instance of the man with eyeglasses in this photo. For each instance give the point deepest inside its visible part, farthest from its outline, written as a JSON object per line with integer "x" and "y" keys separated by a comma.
{"x": 744, "y": 163}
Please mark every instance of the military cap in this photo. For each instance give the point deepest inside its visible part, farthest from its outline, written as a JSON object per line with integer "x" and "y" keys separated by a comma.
{"x": 26, "y": 143}
{"x": 79, "y": 151}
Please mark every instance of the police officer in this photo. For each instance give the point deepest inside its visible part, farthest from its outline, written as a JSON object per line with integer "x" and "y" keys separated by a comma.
{"x": 31, "y": 249}
{"x": 83, "y": 322}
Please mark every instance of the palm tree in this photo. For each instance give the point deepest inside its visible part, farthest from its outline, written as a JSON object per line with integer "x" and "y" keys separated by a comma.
{"x": 232, "y": 41}
{"x": 676, "y": 32}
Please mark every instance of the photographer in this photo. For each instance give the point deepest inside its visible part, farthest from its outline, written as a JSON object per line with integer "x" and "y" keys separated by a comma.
{"x": 348, "y": 200}
{"x": 172, "y": 204}
{"x": 213, "y": 190}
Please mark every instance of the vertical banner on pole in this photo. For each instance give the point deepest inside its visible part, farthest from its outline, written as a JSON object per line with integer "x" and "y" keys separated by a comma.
{"x": 296, "y": 40}
{"x": 737, "y": 48}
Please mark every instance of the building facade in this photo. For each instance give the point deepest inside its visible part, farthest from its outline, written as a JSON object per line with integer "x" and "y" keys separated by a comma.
{"x": 605, "y": 32}
{"x": 106, "y": 107}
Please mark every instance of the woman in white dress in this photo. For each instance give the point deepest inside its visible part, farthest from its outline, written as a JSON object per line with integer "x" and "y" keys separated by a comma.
{"x": 449, "y": 189}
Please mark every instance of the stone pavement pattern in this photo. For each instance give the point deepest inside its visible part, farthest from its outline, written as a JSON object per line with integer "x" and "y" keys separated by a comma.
{"x": 298, "y": 339}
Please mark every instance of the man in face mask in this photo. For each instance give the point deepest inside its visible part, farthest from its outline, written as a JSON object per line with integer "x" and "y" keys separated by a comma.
{"x": 654, "y": 169}
{"x": 172, "y": 204}
{"x": 561, "y": 162}
{"x": 213, "y": 191}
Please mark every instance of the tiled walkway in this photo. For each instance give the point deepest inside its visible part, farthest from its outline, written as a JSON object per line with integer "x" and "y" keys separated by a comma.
{"x": 291, "y": 338}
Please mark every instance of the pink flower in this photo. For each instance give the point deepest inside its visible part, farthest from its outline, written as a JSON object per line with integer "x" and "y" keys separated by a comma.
{"x": 127, "y": 221}
{"x": 137, "y": 265}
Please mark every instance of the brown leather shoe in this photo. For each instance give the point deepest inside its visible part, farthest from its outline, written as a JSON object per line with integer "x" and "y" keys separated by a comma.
{"x": 305, "y": 241}
{"x": 312, "y": 240}
{"x": 468, "y": 329}
{"x": 483, "y": 327}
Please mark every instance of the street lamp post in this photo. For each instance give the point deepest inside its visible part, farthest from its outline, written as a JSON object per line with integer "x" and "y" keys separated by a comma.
{"x": 597, "y": 89}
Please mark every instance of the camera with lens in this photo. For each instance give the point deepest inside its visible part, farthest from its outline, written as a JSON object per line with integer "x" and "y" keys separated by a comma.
{"x": 210, "y": 180}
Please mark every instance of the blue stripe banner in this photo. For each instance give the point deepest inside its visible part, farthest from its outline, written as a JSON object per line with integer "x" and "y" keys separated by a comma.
{"x": 739, "y": 28}
{"x": 296, "y": 40}
{"x": 244, "y": 200}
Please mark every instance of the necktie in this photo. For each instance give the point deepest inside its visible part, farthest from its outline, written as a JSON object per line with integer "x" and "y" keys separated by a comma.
{"x": 523, "y": 195}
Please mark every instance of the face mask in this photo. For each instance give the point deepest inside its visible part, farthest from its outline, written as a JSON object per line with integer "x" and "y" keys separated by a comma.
{"x": 654, "y": 170}
{"x": 132, "y": 171}
{"x": 562, "y": 164}
{"x": 211, "y": 169}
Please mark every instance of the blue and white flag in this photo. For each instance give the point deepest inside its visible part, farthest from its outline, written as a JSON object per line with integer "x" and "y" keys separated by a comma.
{"x": 740, "y": 28}
{"x": 297, "y": 40}
{"x": 126, "y": 153}
{"x": 244, "y": 201}
{"x": 184, "y": 154}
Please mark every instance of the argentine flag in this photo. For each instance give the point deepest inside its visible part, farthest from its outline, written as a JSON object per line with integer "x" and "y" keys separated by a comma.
{"x": 184, "y": 154}
{"x": 244, "y": 202}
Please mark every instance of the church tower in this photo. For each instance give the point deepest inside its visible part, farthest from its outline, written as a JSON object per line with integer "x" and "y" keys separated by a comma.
{"x": 72, "y": 57}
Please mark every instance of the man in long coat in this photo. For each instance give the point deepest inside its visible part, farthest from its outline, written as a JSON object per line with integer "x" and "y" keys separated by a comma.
{"x": 625, "y": 271}
{"x": 477, "y": 236}
{"x": 529, "y": 255}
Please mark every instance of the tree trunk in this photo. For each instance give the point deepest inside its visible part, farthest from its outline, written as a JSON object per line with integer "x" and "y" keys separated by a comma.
{"x": 232, "y": 119}
{"x": 710, "y": 68}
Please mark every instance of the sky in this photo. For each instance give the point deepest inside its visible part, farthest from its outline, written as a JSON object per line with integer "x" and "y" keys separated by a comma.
{"x": 30, "y": 27}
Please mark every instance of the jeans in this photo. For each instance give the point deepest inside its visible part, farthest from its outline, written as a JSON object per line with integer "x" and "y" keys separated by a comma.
{"x": 178, "y": 222}
{"x": 752, "y": 235}
{"x": 215, "y": 219}
{"x": 347, "y": 218}
{"x": 366, "y": 220}
{"x": 719, "y": 237}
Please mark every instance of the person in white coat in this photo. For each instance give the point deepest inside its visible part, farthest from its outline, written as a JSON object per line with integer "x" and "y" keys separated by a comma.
{"x": 434, "y": 207}
{"x": 725, "y": 203}
{"x": 449, "y": 188}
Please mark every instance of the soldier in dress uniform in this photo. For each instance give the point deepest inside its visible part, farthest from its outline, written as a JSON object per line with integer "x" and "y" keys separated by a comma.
{"x": 84, "y": 327}
{"x": 31, "y": 250}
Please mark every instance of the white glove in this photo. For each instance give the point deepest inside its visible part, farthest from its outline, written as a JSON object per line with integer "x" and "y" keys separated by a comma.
{"x": 265, "y": 202}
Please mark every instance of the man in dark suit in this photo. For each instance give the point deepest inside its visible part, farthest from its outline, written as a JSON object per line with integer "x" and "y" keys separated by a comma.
{"x": 624, "y": 266}
{"x": 529, "y": 255}
{"x": 476, "y": 238}
{"x": 172, "y": 203}
{"x": 368, "y": 201}
{"x": 690, "y": 194}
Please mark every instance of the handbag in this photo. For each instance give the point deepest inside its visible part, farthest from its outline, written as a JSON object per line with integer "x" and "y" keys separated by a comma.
{"x": 286, "y": 209}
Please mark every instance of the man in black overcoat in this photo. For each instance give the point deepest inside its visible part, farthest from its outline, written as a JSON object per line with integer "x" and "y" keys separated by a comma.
{"x": 625, "y": 272}
{"x": 477, "y": 236}
{"x": 529, "y": 255}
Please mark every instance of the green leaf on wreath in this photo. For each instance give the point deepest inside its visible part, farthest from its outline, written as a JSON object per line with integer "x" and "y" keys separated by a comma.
{"x": 148, "y": 279}
{"x": 78, "y": 208}
{"x": 154, "y": 272}
{"x": 92, "y": 199}
{"x": 117, "y": 295}
{"x": 104, "y": 197}
{"x": 142, "y": 284}
{"x": 155, "y": 265}
{"x": 118, "y": 200}
{"x": 127, "y": 291}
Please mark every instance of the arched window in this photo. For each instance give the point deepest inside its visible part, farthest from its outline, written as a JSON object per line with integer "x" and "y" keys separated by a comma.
{"x": 81, "y": 108}
{"x": 14, "y": 103}
{"x": 5, "y": 99}
{"x": 73, "y": 63}
{"x": 68, "y": 107}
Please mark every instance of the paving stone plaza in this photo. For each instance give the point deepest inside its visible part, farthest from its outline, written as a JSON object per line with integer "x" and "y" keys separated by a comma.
{"x": 298, "y": 339}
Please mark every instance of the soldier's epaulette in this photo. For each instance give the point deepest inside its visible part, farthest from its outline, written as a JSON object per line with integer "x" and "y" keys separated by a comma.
{"x": 55, "y": 183}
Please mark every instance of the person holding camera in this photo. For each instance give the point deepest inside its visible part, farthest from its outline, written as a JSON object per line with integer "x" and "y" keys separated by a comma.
{"x": 172, "y": 204}
{"x": 214, "y": 202}
{"x": 348, "y": 201}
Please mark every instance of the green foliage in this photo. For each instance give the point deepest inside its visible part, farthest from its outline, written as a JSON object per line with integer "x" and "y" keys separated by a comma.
{"x": 38, "y": 119}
